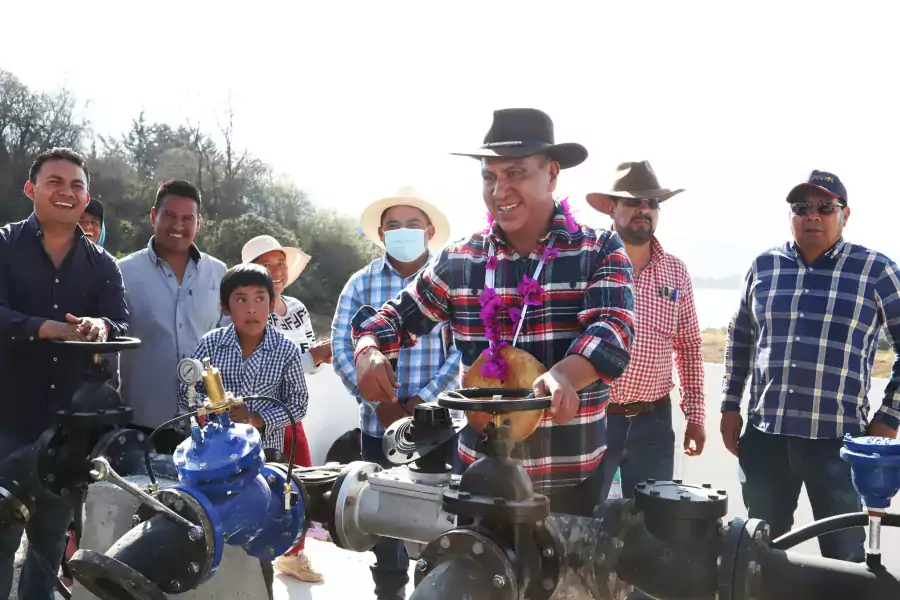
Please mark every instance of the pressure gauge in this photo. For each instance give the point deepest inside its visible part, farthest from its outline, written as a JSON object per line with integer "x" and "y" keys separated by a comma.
{"x": 190, "y": 370}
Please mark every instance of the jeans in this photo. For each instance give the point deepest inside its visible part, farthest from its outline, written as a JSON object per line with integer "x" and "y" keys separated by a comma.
{"x": 583, "y": 499}
{"x": 642, "y": 445}
{"x": 46, "y": 541}
{"x": 391, "y": 570}
{"x": 776, "y": 466}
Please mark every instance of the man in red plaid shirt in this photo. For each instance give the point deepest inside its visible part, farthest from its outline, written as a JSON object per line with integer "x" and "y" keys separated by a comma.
{"x": 578, "y": 307}
{"x": 640, "y": 437}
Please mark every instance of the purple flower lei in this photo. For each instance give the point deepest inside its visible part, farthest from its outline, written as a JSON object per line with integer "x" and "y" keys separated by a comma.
{"x": 493, "y": 306}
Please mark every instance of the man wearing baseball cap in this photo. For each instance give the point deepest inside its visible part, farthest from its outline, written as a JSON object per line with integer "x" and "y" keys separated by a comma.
{"x": 805, "y": 336}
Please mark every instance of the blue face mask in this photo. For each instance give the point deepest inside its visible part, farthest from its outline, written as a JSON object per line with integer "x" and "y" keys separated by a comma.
{"x": 405, "y": 245}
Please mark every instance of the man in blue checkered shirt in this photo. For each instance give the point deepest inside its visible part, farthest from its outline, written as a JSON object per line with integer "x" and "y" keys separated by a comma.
{"x": 254, "y": 358}
{"x": 409, "y": 228}
{"x": 805, "y": 335}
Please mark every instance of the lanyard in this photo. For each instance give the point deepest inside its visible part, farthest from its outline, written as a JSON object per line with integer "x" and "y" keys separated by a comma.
{"x": 489, "y": 283}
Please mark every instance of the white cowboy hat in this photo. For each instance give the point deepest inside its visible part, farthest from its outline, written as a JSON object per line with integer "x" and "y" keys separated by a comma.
{"x": 370, "y": 220}
{"x": 296, "y": 258}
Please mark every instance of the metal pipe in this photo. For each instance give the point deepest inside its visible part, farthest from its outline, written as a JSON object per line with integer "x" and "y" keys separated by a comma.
{"x": 463, "y": 577}
{"x": 829, "y": 525}
{"x": 794, "y": 576}
{"x": 104, "y": 472}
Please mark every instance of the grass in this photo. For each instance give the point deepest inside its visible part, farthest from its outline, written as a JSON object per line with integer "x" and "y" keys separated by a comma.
{"x": 714, "y": 352}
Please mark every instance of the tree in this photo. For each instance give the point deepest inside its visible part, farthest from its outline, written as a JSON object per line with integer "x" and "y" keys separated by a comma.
{"x": 30, "y": 123}
{"x": 241, "y": 196}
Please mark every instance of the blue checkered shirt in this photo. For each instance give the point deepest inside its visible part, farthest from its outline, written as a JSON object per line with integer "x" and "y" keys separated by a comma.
{"x": 424, "y": 370}
{"x": 273, "y": 370}
{"x": 805, "y": 336}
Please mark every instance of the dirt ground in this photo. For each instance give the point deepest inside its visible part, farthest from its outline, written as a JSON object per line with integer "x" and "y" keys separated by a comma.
{"x": 714, "y": 352}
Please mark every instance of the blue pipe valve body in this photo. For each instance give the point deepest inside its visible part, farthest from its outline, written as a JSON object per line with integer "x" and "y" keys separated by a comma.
{"x": 875, "y": 467}
{"x": 222, "y": 466}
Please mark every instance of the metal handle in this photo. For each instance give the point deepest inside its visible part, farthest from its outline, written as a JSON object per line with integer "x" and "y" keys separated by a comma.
{"x": 102, "y": 471}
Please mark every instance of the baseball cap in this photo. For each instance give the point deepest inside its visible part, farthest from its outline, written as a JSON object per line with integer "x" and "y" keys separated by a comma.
{"x": 822, "y": 181}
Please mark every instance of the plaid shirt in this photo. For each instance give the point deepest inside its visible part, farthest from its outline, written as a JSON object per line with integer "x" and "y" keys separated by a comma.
{"x": 666, "y": 325}
{"x": 806, "y": 336}
{"x": 424, "y": 371}
{"x": 588, "y": 310}
{"x": 272, "y": 370}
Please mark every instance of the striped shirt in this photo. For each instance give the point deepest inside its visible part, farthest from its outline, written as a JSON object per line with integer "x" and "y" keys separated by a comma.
{"x": 426, "y": 370}
{"x": 272, "y": 370}
{"x": 666, "y": 328}
{"x": 296, "y": 325}
{"x": 805, "y": 336}
{"x": 588, "y": 310}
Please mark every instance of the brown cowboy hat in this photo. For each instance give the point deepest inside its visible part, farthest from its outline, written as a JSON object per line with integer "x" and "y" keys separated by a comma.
{"x": 522, "y": 132}
{"x": 631, "y": 180}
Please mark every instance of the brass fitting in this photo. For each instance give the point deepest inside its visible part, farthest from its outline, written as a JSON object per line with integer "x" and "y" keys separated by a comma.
{"x": 212, "y": 380}
{"x": 218, "y": 400}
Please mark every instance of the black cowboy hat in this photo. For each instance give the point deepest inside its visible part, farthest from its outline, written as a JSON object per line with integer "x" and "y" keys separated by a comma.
{"x": 521, "y": 132}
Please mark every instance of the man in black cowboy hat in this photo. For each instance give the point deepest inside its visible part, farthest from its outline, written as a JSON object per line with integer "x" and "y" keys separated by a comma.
{"x": 639, "y": 416}
{"x": 547, "y": 286}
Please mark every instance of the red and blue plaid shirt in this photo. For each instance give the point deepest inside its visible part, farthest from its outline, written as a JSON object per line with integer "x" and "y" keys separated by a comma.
{"x": 588, "y": 309}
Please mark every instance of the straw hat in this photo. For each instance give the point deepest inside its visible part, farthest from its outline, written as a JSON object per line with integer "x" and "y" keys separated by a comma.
{"x": 370, "y": 220}
{"x": 297, "y": 259}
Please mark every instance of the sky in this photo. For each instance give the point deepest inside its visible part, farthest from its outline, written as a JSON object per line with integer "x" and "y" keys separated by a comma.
{"x": 734, "y": 101}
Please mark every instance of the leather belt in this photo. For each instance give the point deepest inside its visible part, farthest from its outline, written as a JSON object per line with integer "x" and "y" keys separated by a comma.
{"x": 634, "y": 409}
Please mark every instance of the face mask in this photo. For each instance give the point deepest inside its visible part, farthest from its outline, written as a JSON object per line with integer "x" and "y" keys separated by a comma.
{"x": 405, "y": 245}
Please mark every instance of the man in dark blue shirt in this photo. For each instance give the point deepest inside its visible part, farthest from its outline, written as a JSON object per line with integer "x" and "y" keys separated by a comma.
{"x": 804, "y": 336}
{"x": 54, "y": 285}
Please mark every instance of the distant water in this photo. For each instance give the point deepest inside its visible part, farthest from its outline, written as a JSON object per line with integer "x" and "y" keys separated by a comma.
{"x": 715, "y": 307}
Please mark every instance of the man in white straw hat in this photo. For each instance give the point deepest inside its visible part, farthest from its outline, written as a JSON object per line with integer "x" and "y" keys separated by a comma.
{"x": 410, "y": 230}
{"x": 292, "y": 319}
{"x": 640, "y": 436}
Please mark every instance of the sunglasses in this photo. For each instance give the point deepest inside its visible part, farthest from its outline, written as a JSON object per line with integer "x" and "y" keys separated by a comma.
{"x": 652, "y": 203}
{"x": 823, "y": 207}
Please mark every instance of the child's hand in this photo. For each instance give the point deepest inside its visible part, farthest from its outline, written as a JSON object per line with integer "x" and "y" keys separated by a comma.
{"x": 240, "y": 414}
{"x": 321, "y": 352}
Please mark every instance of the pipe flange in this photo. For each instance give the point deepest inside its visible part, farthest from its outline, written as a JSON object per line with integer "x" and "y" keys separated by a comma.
{"x": 497, "y": 508}
{"x": 599, "y": 573}
{"x": 551, "y": 550}
{"x": 203, "y": 564}
{"x": 109, "y": 579}
{"x": 122, "y": 448}
{"x": 413, "y": 437}
{"x": 474, "y": 546}
{"x": 745, "y": 544}
{"x": 12, "y": 510}
{"x": 345, "y": 531}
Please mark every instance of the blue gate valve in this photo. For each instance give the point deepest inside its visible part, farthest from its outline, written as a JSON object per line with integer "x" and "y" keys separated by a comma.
{"x": 875, "y": 466}
{"x": 875, "y": 470}
{"x": 248, "y": 502}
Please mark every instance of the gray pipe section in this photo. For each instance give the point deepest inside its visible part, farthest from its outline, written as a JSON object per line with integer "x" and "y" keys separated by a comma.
{"x": 373, "y": 503}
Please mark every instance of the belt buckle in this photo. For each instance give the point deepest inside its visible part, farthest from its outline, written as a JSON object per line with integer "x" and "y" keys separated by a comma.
{"x": 630, "y": 410}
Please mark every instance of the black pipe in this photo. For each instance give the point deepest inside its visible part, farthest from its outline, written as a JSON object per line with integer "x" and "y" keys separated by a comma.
{"x": 683, "y": 566}
{"x": 290, "y": 415}
{"x": 794, "y": 576}
{"x": 148, "y": 445}
{"x": 829, "y": 525}
{"x": 153, "y": 558}
{"x": 462, "y": 577}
